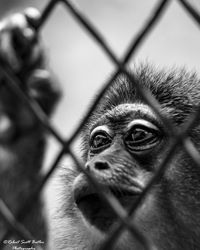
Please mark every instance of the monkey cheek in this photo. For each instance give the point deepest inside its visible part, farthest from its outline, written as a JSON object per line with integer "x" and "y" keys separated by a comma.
{"x": 93, "y": 209}
{"x": 96, "y": 212}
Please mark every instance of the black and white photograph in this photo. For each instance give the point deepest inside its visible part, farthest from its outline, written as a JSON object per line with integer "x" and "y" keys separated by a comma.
{"x": 99, "y": 125}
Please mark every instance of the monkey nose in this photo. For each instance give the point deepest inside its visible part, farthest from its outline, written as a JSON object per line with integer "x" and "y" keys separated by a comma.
{"x": 98, "y": 166}
{"x": 101, "y": 165}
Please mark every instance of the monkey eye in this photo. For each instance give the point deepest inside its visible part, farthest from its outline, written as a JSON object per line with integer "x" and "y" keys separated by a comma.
{"x": 100, "y": 140}
{"x": 142, "y": 137}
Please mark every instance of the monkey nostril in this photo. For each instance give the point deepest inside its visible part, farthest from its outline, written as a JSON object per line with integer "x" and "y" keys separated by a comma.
{"x": 101, "y": 165}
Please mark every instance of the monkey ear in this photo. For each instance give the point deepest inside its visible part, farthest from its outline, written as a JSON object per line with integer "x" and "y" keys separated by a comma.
{"x": 44, "y": 89}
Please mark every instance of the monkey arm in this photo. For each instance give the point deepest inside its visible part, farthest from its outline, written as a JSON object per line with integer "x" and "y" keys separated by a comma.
{"x": 21, "y": 49}
{"x": 22, "y": 139}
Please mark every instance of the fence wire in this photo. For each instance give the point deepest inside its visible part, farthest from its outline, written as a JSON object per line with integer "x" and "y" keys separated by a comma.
{"x": 15, "y": 223}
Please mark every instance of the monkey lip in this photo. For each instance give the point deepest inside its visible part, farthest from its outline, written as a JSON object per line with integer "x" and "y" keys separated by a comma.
{"x": 95, "y": 210}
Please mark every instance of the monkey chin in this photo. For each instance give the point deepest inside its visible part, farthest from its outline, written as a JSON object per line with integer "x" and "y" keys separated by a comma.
{"x": 94, "y": 209}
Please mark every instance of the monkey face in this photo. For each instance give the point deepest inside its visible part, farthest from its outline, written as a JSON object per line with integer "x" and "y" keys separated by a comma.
{"x": 123, "y": 148}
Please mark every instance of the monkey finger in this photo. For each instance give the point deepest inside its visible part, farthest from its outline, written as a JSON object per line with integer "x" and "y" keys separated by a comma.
{"x": 7, "y": 129}
{"x": 7, "y": 52}
{"x": 19, "y": 45}
{"x": 33, "y": 16}
{"x": 42, "y": 87}
{"x": 14, "y": 34}
{"x": 18, "y": 24}
{"x": 23, "y": 37}
{"x": 27, "y": 45}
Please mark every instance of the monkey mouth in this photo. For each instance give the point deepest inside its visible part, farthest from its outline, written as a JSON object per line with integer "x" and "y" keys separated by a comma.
{"x": 95, "y": 209}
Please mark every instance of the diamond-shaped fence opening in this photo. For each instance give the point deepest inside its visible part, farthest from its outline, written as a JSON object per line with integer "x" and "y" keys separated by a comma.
{"x": 15, "y": 223}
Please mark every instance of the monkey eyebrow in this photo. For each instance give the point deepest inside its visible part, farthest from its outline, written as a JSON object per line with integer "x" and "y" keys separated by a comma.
{"x": 137, "y": 107}
{"x": 142, "y": 122}
{"x": 135, "y": 110}
{"x": 125, "y": 108}
{"x": 101, "y": 128}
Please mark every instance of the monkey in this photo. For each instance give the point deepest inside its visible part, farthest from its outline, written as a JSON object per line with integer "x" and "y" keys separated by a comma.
{"x": 22, "y": 136}
{"x": 123, "y": 143}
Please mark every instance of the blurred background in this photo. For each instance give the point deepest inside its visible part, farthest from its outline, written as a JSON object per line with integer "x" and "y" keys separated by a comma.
{"x": 81, "y": 66}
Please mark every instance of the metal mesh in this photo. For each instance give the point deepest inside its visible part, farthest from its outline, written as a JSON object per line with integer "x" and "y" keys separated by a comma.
{"x": 15, "y": 223}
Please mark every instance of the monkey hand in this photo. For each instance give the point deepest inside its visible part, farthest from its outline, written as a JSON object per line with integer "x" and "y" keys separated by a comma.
{"x": 21, "y": 50}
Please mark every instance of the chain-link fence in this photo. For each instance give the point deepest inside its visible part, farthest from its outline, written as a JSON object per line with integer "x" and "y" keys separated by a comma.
{"x": 15, "y": 223}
